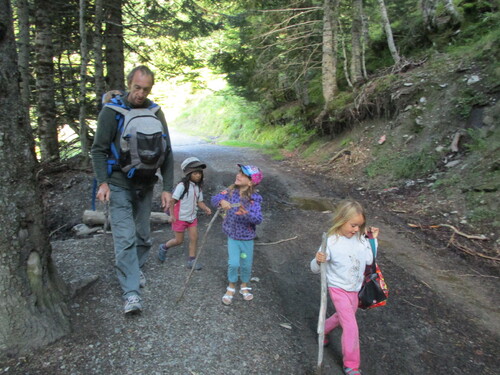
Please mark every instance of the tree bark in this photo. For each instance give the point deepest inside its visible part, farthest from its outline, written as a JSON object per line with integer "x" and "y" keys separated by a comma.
{"x": 452, "y": 11}
{"x": 23, "y": 43}
{"x": 98, "y": 43}
{"x": 33, "y": 311}
{"x": 115, "y": 60}
{"x": 388, "y": 32}
{"x": 47, "y": 126}
{"x": 364, "y": 42}
{"x": 356, "y": 35}
{"x": 83, "y": 86}
{"x": 429, "y": 13}
{"x": 344, "y": 55}
{"x": 329, "y": 60}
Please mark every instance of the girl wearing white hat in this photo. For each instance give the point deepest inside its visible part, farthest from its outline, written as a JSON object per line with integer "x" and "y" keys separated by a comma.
{"x": 186, "y": 199}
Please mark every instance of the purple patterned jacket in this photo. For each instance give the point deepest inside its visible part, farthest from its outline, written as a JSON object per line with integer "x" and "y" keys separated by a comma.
{"x": 240, "y": 222}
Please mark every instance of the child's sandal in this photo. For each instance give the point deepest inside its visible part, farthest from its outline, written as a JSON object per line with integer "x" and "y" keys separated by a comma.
{"x": 247, "y": 296}
{"x": 227, "y": 299}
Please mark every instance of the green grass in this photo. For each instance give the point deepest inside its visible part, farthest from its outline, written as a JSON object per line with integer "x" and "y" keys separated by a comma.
{"x": 468, "y": 99}
{"x": 345, "y": 142}
{"x": 396, "y": 166}
{"x": 483, "y": 214}
{"x": 312, "y": 148}
{"x": 446, "y": 182}
{"x": 239, "y": 122}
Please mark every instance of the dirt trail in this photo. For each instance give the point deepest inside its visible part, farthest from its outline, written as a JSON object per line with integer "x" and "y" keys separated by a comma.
{"x": 450, "y": 325}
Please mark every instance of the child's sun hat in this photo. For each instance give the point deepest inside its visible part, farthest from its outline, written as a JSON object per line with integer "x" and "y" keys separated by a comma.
{"x": 192, "y": 164}
{"x": 252, "y": 172}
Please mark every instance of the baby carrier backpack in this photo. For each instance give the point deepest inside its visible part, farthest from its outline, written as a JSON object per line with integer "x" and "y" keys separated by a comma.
{"x": 143, "y": 144}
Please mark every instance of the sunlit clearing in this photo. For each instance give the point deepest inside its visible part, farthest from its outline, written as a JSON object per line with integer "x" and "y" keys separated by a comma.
{"x": 176, "y": 95}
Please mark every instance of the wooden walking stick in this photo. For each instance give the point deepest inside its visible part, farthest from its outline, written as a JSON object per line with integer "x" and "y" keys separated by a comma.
{"x": 198, "y": 255}
{"x": 322, "y": 308}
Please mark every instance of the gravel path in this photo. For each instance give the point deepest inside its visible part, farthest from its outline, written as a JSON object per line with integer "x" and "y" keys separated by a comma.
{"x": 274, "y": 333}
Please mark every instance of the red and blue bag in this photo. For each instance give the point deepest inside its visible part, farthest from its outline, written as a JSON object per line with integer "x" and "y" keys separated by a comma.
{"x": 374, "y": 291}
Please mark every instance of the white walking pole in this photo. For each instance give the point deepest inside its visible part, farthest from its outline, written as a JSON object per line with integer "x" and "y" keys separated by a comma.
{"x": 322, "y": 308}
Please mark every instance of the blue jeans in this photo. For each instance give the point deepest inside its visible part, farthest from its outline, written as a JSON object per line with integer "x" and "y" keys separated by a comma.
{"x": 240, "y": 257}
{"x": 130, "y": 212}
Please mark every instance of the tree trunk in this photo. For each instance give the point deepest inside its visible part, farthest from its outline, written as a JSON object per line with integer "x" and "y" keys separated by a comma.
{"x": 47, "y": 126}
{"x": 301, "y": 89}
{"x": 23, "y": 43}
{"x": 98, "y": 43}
{"x": 364, "y": 42}
{"x": 115, "y": 60}
{"x": 356, "y": 34}
{"x": 92, "y": 218}
{"x": 429, "y": 14}
{"x": 329, "y": 63}
{"x": 344, "y": 55}
{"x": 388, "y": 31}
{"x": 33, "y": 312}
{"x": 83, "y": 86}
{"x": 329, "y": 60}
{"x": 452, "y": 11}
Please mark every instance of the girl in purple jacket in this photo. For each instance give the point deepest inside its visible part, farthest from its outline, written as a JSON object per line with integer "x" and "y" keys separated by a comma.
{"x": 241, "y": 205}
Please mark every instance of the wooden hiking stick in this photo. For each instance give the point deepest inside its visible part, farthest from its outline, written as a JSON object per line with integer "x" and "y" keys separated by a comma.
{"x": 322, "y": 309}
{"x": 198, "y": 255}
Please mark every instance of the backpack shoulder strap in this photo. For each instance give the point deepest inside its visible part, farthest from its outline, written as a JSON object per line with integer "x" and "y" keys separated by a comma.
{"x": 117, "y": 105}
{"x": 118, "y": 108}
{"x": 154, "y": 107}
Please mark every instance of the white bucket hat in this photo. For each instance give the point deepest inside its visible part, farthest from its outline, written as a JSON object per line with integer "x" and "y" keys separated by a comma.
{"x": 191, "y": 164}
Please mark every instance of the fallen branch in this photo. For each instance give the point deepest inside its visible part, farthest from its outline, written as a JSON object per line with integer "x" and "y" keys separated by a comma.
{"x": 57, "y": 230}
{"x": 450, "y": 241}
{"x": 454, "y": 143}
{"x": 298, "y": 325}
{"x": 471, "y": 274}
{"x": 92, "y": 218}
{"x": 418, "y": 307}
{"x": 275, "y": 243}
{"x": 345, "y": 151}
{"x": 472, "y": 252}
{"x": 473, "y": 237}
{"x": 198, "y": 255}
{"x": 427, "y": 285}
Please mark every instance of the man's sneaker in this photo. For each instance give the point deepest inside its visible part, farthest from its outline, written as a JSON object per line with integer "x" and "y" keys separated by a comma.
{"x": 142, "y": 280}
{"x": 133, "y": 304}
{"x": 190, "y": 263}
{"x": 162, "y": 252}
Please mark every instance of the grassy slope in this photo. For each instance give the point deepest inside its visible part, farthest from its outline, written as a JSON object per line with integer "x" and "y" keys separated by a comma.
{"x": 435, "y": 103}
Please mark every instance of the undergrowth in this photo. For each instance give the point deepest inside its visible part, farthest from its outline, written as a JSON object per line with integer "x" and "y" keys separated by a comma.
{"x": 395, "y": 166}
{"x": 232, "y": 118}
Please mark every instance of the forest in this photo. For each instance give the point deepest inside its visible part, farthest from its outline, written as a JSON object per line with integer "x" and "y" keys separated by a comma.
{"x": 298, "y": 74}
{"x": 311, "y": 67}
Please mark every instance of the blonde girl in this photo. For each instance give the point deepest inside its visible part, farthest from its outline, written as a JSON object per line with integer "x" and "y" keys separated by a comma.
{"x": 347, "y": 254}
{"x": 242, "y": 207}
